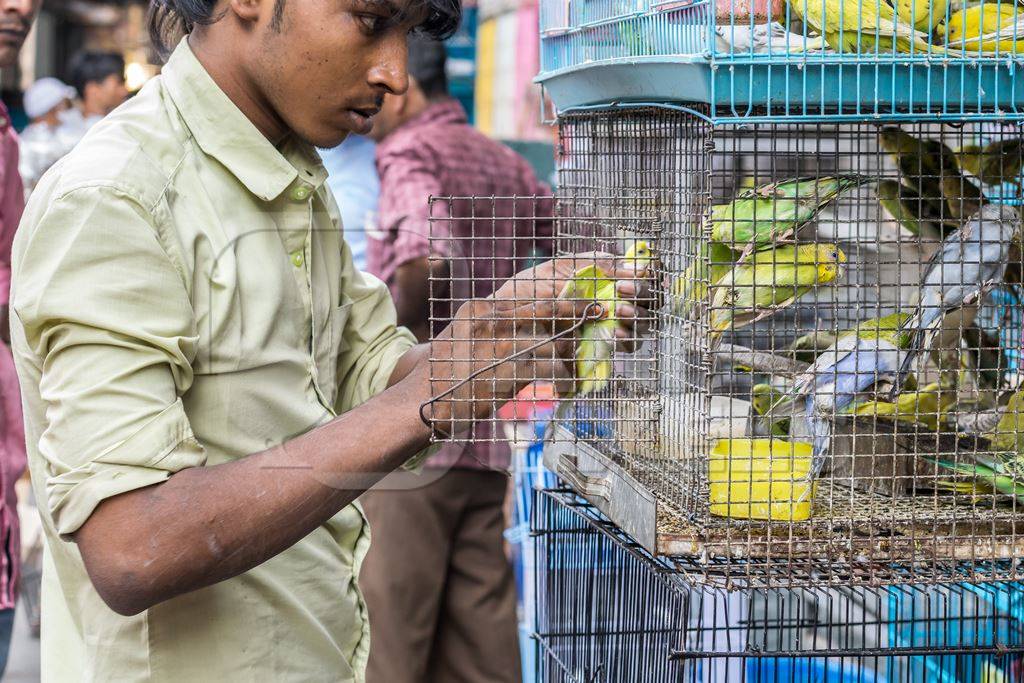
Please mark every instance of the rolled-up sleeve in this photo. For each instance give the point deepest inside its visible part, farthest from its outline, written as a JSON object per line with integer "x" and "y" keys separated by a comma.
{"x": 372, "y": 341}
{"x": 104, "y": 314}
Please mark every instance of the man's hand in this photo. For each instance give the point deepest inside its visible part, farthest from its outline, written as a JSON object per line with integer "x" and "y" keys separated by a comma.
{"x": 524, "y": 317}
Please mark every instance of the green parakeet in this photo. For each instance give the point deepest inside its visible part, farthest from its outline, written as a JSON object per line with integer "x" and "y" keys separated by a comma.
{"x": 887, "y": 328}
{"x": 992, "y": 474}
{"x": 762, "y": 397}
{"x": 770, "y": 213}
{"x": 769, "y": 280}
{"x": 927, "y": 407}
{"x": 1003, "y": 471}
{"x": 918, "y": 215}
{"x": 930, "y": 169}
{"x": 597, "y": 339}
{"x": 994, "y": 164}
{"x": 1009, "y": 432}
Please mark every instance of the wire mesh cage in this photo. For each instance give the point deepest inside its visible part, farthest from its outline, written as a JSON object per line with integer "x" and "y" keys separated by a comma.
{"x": 796, "y": 59}
{"x": 829, "y": 394}
{"x": 610, "y": 611}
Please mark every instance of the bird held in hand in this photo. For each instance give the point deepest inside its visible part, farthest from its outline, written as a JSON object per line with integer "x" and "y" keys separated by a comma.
{"x": 597, "y": 338}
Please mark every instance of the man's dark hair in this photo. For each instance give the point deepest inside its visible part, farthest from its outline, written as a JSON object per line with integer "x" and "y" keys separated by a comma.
{"x": 90, "y": 66}
{"x": 169, "y": 20}
{"x": 427, "y": 59}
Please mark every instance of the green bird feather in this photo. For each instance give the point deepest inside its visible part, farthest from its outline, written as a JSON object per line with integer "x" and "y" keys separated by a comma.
{"x": 995, "y": 477}
{"x": 1008, "y": 435}
{"x": 918, "y": 215}
{"x": 762, "y": 397}
{"x": 597, "y": 338}
{"x": 927, "y": 406}
{"x": 807, "y": 347}
{"x": 769, "y": 280}
{"x": 994, "y": 164}
{"x": 1003, "y": 470}
{"x": 713, "y": 261}
{"x": 771, "y": 213}
{"x": 887, "y": 328}
{"x": 930, "y": 169}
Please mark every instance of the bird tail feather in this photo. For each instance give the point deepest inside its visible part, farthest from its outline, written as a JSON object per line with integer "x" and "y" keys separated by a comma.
{"x": 593, "y": 368}
{"x": 923, "y": 324}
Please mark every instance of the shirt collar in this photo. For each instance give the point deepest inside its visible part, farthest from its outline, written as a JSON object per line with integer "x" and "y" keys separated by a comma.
{"x": 222, "y": 131}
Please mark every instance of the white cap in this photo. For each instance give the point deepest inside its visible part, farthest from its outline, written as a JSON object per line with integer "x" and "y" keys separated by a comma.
{"x": 44, "y": 95}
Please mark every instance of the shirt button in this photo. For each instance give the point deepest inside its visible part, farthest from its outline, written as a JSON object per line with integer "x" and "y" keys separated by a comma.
{"x": 297, "y": 259}
{"x": 301, "y": 193}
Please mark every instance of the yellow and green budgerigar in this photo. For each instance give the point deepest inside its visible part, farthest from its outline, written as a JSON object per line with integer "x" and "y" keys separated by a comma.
{"x": 861, "y": 26}
{"x": 769, "y": 280}
{"x": 928, "y": 406}
{"x": 597, "y": 338}
{"x": 1002, "y": 469}
{"x": 770, "y": 213}
{"x": 888, "y": 328}
{"x": 762, "y": 397}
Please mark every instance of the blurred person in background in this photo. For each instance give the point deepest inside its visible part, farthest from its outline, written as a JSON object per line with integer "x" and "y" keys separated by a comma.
{"x": 52, "y": 130}
{"x": 98, "y": 78}
{"x": 352, "y": 177}
{"x": 16, "y": 18}
{"x": 439, "y": 587}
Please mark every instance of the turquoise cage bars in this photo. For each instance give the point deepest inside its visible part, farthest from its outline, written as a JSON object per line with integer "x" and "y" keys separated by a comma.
{"x": 755, "y": 60}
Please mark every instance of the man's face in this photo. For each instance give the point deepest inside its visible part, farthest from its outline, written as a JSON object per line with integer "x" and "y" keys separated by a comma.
{"x": 106, "y": 95}
{"x": 326, "y": 65}
{"x": 16, "y": 18}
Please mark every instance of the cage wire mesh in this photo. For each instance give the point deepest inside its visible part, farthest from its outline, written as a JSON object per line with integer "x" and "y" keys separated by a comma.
{"x": 829, "y": 392}
{"x": 608, "y": 610}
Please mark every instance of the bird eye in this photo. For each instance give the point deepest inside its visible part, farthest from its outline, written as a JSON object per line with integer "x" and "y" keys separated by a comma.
{"x": 835, "y": 255}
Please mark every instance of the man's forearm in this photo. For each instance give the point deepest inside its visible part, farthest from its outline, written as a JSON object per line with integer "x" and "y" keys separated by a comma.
{"x": 207, "y": 524}
{"x": 407, "y": 362}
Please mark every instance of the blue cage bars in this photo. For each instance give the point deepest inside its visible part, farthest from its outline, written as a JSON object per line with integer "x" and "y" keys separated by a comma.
{"x": 772, "y": 60}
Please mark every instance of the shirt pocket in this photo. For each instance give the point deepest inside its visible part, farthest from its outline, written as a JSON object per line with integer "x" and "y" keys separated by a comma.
{"x": 331, "y": 346}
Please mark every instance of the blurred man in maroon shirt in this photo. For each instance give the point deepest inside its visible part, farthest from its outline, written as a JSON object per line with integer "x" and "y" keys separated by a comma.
{"x": 16, "y": 18}
{"x": 438, "y": 585}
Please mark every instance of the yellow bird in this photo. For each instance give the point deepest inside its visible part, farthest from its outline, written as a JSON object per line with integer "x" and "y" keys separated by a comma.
{"x": 769, "y": 280}
{"x": 923, "y": 15}
{"x": 597, "y": 338}
{"x": 985, "y": 29}
{"x": 861, "y": 26}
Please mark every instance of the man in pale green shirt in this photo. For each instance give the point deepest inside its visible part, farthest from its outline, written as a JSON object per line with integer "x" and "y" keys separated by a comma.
{"x": 208, "y": 382}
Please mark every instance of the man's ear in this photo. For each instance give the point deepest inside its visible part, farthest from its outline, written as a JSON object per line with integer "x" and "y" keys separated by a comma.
{"x": 249, "y": 10}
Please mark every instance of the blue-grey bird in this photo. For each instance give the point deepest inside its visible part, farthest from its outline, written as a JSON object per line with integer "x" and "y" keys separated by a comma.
{"x": 839, "y": 376}
{"x": 969, "y": 259}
